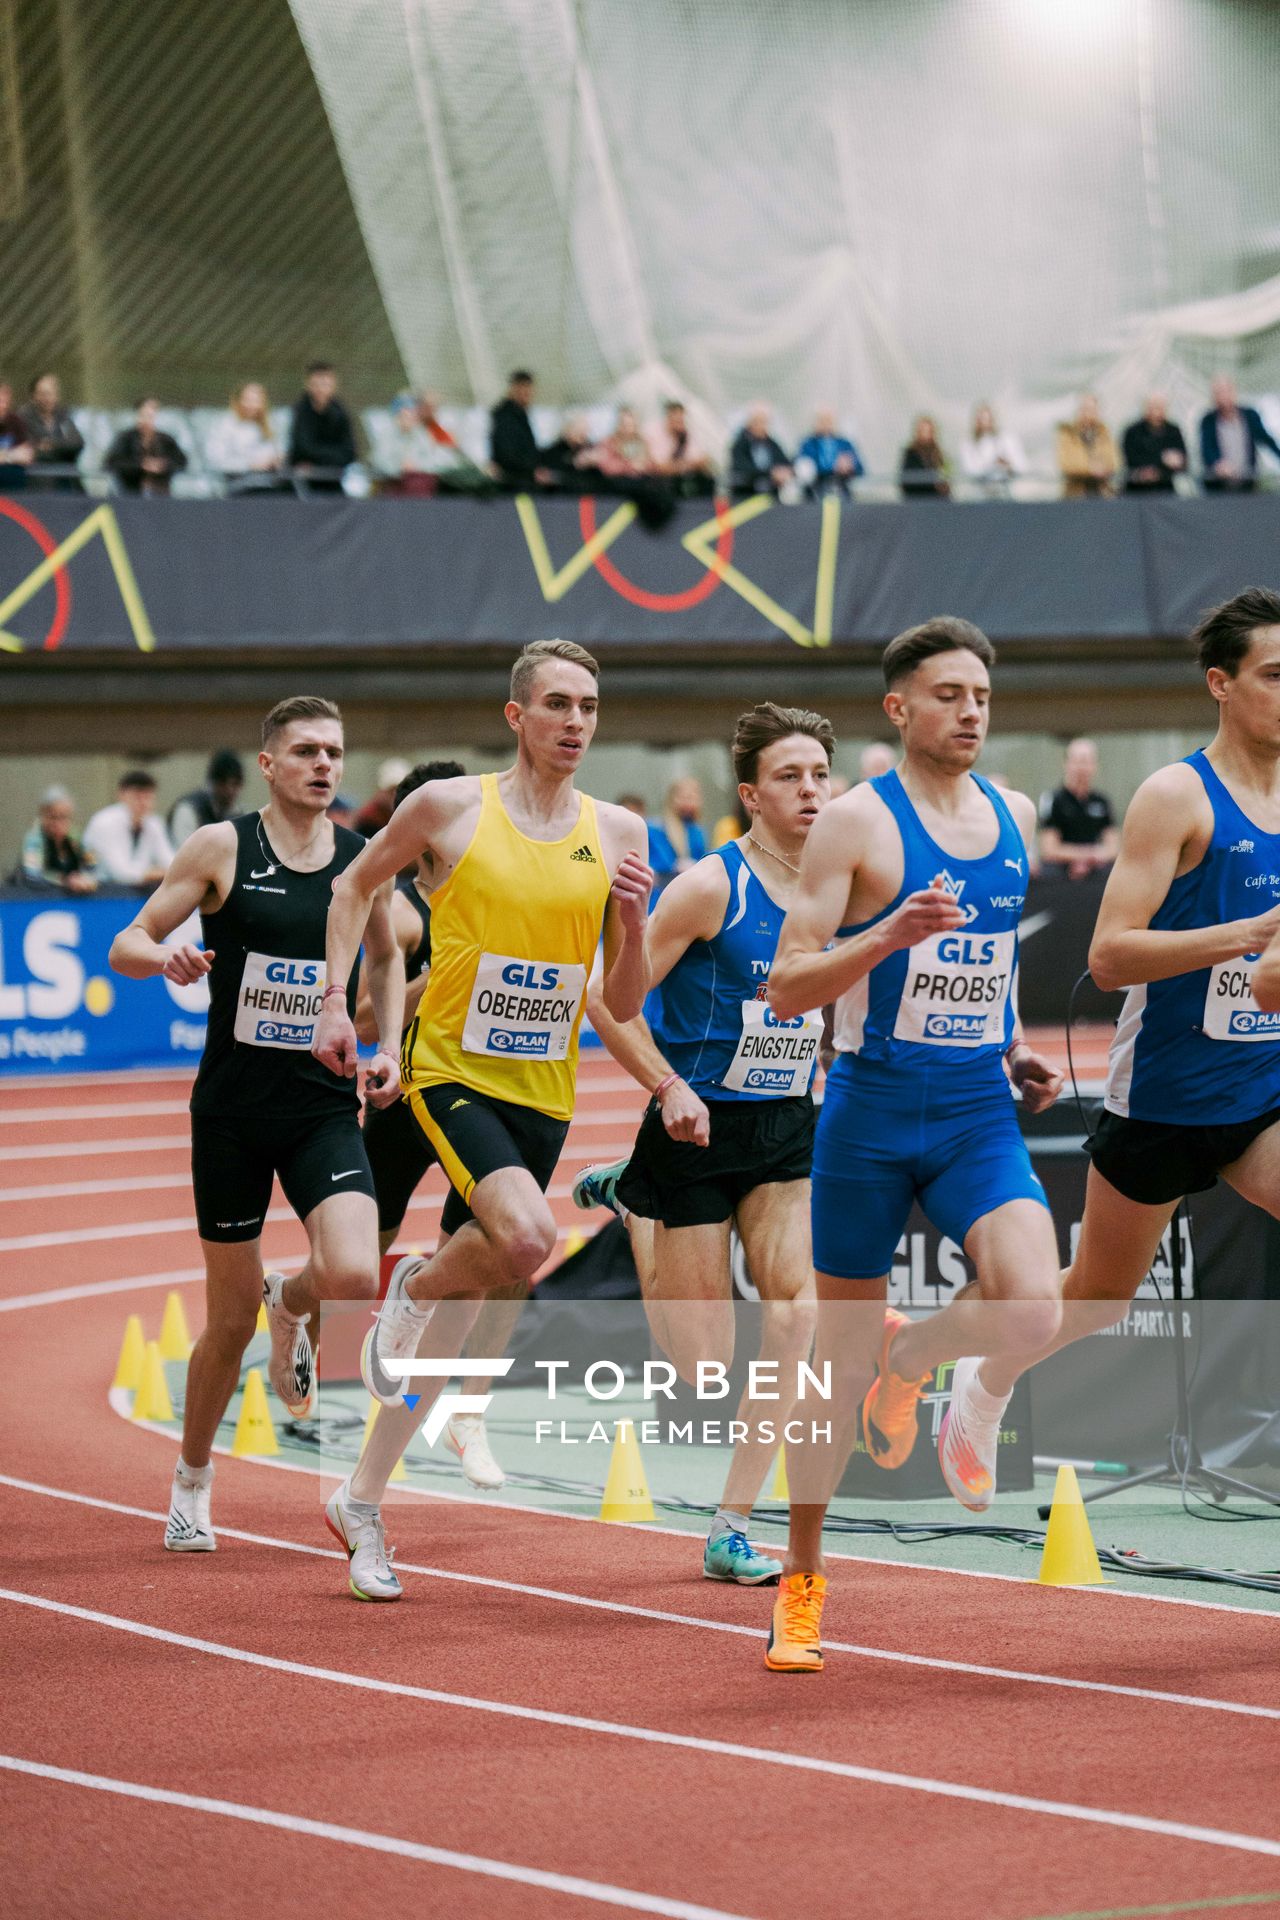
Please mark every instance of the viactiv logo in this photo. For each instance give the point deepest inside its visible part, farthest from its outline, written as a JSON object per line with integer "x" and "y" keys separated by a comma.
{"x": 446, "y": 1404}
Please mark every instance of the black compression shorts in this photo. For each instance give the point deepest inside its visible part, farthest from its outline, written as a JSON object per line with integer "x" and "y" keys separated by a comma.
{"x": 1154, "y": 1161}
{"x": 754, "y": 1143}
{"x": 399, "y": 1154}
{"x": 234, "y": 1159}
{"x": 472, "y": 1135}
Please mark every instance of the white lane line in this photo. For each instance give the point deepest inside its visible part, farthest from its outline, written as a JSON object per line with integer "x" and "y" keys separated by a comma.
{"x": 567, "y": 1883}
{"x": 654, "y": 1736}
{"x": 589, "y": 1081}
{"x": 90, "y": 1289}
{"x": 147, "y": 1229}
{"x": 157, "y": 1182}
{"x": 605, "y": 1150}
{"x": 1017, "y": 1674}
{"x": 90, "y": 1111}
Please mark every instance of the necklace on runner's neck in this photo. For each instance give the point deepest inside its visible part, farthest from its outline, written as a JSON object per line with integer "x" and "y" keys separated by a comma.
{"x": 781, "y": 857}
{"x": 267, "y": 853}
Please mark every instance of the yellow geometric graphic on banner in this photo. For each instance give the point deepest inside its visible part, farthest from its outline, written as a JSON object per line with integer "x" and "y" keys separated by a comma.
{"x": 101, "y": 521}
{"x": 700, "y": 541}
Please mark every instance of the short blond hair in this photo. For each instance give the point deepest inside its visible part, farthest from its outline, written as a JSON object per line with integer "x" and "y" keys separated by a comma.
{"x": 301, "y": 706}
{"x": 525, "y": 670}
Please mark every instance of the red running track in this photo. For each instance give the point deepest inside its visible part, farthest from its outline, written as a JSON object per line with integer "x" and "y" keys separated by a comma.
{"x": 196, "y": 1735}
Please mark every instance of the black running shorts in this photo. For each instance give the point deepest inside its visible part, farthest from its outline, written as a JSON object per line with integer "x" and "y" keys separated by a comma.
{"x": 1154, "y": 1162}
{"x": 754, "y": 1143}
{"x": 473, "y": 1135}
{"x": 399, "y": 1154}
{"x": 234, "y": 1159}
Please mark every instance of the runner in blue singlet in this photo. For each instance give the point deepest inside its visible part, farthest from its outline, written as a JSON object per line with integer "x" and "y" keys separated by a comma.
{"x": 1193, "y": 1090}
{"x": 728, "y": 1135}
{"x": 906, "y": 916}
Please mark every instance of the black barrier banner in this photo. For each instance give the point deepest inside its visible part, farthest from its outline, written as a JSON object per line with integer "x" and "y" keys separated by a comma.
{"x": 1053, "y": 941}
{"x": 247, "y": 575}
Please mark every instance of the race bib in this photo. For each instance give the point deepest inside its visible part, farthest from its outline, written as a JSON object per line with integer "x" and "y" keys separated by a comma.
{"x": 773, "y": 1057}
{"x": 522, "y": 1009}
{"x": 279, "y": 1001}
{"x": 957, "y": 990}
{"x": 1230, "y": 1010}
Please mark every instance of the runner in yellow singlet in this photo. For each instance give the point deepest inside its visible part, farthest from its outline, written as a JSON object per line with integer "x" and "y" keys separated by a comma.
{"x": 531, "y": 870}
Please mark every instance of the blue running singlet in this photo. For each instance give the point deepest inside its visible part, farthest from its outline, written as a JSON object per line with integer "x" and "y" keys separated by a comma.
{"x": 948, "y": 1000}
{"x": 715, "y": 1026}
{"x": 1197, "y": 1050}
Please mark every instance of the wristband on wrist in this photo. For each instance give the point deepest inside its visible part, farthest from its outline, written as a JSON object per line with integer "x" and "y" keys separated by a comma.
{"x": 1013, "y": 1047}
{"x": 662, "y": 1086}
{"x": 335, "y": 988}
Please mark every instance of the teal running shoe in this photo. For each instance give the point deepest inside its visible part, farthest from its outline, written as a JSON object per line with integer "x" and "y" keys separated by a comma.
{"x": 732, "y": 1557}
{"x": 598, "y": 1186}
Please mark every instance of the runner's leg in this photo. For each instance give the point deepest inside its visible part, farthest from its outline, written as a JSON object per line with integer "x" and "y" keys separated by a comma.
{"x": 689, "y": 1285}
{"x": 774, "y": 1223}
{"x": 850, "y": 1324}
{"x": 1014, "y": 1310}
{"x": 233, "y": 1295}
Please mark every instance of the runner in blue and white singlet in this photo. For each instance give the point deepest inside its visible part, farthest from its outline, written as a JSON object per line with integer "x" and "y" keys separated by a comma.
{"x": 727, "y": 1140}
{"x": 1193, "y": 1090}
{"x": 906, "y": 917}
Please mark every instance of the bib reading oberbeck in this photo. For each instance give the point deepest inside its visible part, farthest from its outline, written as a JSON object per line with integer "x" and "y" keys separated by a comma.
{"x": 514, "y": 931}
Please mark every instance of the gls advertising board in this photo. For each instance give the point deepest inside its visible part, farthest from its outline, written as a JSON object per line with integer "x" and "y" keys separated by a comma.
{"x": 63, "y": 1010}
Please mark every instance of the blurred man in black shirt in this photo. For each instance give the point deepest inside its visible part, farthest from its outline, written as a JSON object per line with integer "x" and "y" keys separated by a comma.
{"x": 1077, "y": 823}
{"x": 1154, "y": 450}
{"x": 322, "y": 440}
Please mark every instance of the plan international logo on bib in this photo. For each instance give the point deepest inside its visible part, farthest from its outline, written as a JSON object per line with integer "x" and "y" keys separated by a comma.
{"x": 528, "y": 1044}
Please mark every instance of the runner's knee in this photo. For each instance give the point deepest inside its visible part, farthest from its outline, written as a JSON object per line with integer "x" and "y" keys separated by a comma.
{"x": 344, "y": 1275}
{"x": 525, "y": 1243}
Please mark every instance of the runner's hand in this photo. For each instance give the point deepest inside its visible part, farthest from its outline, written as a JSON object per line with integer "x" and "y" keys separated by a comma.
{"x": 1261, "y": 932}
{"x": 334, "y": 1040}
{"x": 933, "y": 910}
{"x": 185, "y": 965}
{"x": 684, "y": 1116}
{"x": 1037, "y": 1079}
{"x": 382, "y": 1082}
{"x": 632, "y": 885}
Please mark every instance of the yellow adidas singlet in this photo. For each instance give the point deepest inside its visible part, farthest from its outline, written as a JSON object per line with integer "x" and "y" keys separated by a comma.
{"x": 514, "y": 931}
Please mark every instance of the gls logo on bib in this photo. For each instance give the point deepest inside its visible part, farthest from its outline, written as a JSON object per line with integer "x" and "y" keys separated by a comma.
{"x": 957, "y": 989}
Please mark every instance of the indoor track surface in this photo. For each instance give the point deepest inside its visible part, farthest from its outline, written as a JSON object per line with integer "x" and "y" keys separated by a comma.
{"x": 560, "y": 1717}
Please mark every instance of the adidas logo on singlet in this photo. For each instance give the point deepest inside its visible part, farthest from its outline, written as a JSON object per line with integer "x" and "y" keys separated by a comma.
{"x": 583, "y": 853}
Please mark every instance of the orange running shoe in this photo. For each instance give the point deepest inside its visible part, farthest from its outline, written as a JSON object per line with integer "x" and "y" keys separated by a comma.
{"x": 795, "y": 1641}
{"x": 889, "y": 1419}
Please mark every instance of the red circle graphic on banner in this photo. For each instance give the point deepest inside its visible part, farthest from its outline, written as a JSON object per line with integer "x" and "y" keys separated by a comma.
{"x": 641, "y": 596}
{"x": 61, "y": 584}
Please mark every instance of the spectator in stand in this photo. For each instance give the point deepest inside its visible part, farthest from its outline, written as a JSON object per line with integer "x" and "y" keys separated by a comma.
{"x": 513, "y": 450}
{"x": 623, "y": 464}
{"x": 410, "y": 456}
{"x": 379, "y": 807}
{"x": 677, "y": 839}
{"x": 127, "y": 840}
{"x": 827, "y": 462}
{"x": 676, "y": 457}
{"x": 757, "y": 464}
{"x": 322, "y": 440}
{"x": 454, "y": 470}
{"x": 923, "y": 474}
{"x": 142, "y": 458}
{"x": 1087, "y": 458}
{"x": 16, "y": 450}
{"x": 218, "y": 799}
{"x": 52, "y": 856}
{"x": 54, "y": 435}
{"x": 1077, "y": 823}
{"x": 1154, "y": 450}
{"x": 1230, "y": 436}
{"x": 567, "y": 458}
{"x": 875, "y": 760}
{"x": 242, "y": 445}
{"x": 990, "y": 456}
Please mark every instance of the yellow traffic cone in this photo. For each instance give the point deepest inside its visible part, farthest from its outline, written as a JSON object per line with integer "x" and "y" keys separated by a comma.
{"x": 574, "y": 1243}
{"x": 133, "y": 1350}
{"x": 254, "y": 1431}
{"x": 626, "y": 1491}
{"x": 780, "y": 1490}
{"x": 175, "y": 1341}
{"x": 262, "y": 1326}
{"x": 397, "y": 1472}
{"x": 1070, "y": 1558}
{"x": 151, "y": 1401}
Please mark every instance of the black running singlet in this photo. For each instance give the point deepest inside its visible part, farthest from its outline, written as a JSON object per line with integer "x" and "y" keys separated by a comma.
{"x": 266, "y": 984}
{"x": 419, "y": 959}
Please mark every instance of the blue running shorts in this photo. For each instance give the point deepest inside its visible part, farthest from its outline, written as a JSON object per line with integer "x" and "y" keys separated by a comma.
{"x": 885, "y": 1139}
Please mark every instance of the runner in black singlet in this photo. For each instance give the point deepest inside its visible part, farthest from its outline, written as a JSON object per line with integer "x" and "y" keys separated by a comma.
{"x": 262, "y": 1104}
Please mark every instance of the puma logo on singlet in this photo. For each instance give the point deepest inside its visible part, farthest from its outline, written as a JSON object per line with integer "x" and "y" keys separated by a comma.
{"x": 583, "y": 853}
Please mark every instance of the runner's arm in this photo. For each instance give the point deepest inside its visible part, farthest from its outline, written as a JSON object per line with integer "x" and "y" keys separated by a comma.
{"x": 1126, "y": 951}
{"x": 384, "y": 964}
{"x": 407, "y": 930}
{"x": 404, "y": 837}
{"x": 1266, "y": 976}
{"x": 625, "y": 970}
{"x": 138, "y": 951}
{"x": 808, "y": 971}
